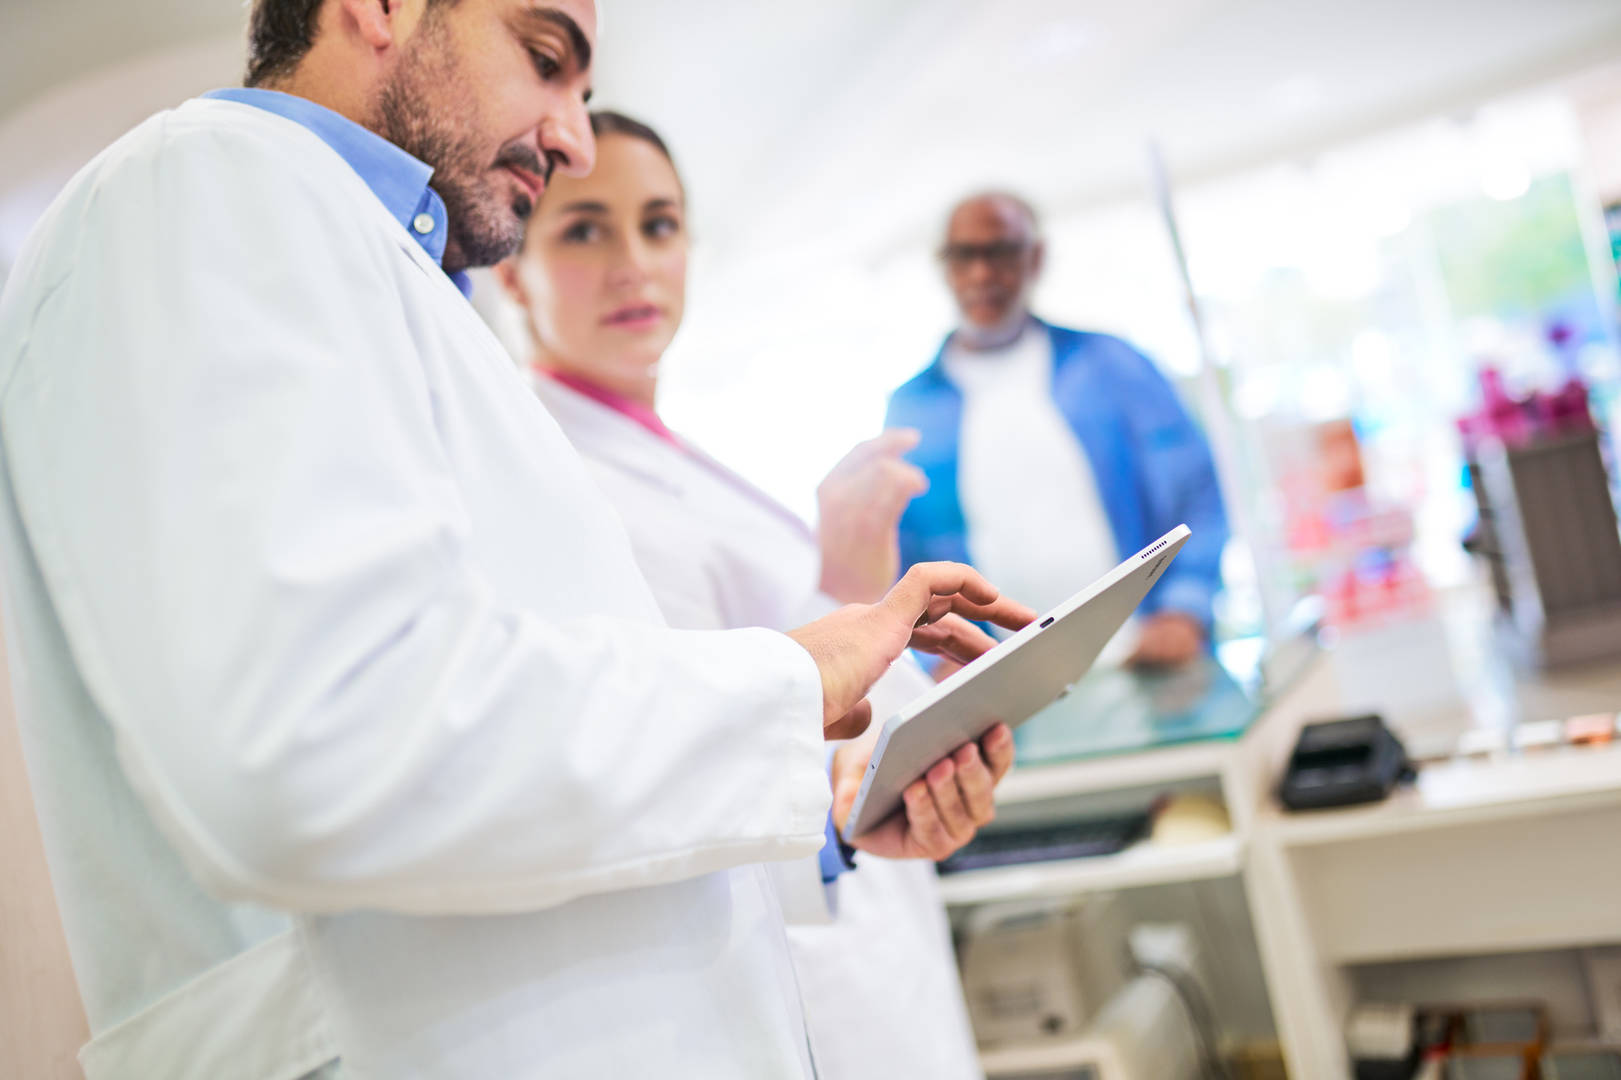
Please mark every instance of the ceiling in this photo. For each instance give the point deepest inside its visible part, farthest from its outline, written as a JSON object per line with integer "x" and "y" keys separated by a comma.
{"x": 852, "y": 123}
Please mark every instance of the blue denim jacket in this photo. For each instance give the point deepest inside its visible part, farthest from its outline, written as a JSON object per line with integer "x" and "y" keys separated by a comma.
{"x": 1153, "y": 467}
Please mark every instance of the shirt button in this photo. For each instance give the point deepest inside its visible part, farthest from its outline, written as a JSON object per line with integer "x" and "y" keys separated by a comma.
{"x": 423, "y": 223}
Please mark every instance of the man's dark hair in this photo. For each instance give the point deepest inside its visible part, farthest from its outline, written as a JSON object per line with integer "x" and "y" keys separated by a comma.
{"x": 280, "y": 32}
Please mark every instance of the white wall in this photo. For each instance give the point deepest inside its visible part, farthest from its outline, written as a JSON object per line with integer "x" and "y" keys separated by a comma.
{"x": 45, "y": 142}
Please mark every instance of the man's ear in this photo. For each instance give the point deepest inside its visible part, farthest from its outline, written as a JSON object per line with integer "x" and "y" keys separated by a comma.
{"x": 1038, "y": 257}
{"x": 376, "y": 22}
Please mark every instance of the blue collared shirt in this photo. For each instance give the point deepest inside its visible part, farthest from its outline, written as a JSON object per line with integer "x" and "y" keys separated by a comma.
{"x": 399, "y": 180}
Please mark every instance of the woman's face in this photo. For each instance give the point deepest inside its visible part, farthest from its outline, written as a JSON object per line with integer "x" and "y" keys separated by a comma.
{"x": 603, "y": 269}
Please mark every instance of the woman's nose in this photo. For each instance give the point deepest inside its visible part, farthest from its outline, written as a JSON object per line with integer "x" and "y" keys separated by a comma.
{"x": 630, "y": 264}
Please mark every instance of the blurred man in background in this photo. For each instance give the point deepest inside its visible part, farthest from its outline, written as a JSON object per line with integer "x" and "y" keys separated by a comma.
{"x": 1052, "y": 453}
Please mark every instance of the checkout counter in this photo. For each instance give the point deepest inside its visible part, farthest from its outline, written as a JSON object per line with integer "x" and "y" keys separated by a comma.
{"x": 1500, "y": 849}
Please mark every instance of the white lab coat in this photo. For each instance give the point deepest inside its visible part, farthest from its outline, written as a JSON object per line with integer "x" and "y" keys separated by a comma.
{"x": 882, "y": 997}
{"x": 315, "y": 611}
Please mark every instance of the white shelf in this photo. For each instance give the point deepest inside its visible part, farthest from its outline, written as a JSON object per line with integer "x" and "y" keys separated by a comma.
{"x": 1069, "y": 1053}
{"x": 1142, "y": 864}
{"x": 1190, "y": 761}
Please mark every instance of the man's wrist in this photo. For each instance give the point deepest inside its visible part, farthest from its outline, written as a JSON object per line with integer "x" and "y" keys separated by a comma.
{"x": 836, "y": 856}
{"x": 846, "y": 852}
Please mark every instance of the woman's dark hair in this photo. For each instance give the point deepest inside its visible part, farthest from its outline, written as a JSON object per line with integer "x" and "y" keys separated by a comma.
{"x": 280, "y": 32}
{"x": 608, "y": 122}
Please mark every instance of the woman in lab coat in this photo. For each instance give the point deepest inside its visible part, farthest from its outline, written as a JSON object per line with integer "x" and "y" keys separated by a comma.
{"x": 601, "y": 280}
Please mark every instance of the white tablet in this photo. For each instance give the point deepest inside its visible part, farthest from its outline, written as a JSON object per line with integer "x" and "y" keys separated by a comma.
{"x": 1011, "y": 683}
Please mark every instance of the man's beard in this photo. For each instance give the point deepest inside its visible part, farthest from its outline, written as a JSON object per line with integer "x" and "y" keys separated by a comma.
{"x": 1003, "y": 334}
{"x": 422, "y": 111}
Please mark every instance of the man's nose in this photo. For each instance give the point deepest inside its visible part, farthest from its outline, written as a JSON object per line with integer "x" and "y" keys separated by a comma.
{"x": 567, "y": 141}
{"x": 979, "y": 270}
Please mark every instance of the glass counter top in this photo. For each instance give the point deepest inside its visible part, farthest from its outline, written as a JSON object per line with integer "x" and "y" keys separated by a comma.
{"x": 1119, "y": 710}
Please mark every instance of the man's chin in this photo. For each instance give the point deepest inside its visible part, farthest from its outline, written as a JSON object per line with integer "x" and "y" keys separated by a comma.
{"x": 476, "y": 251}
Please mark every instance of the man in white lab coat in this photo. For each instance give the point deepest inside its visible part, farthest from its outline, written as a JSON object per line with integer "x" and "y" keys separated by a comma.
{"x": 315, "y": 612}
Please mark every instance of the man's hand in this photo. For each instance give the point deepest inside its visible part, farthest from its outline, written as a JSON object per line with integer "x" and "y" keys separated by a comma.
{"x": 1168, "y": 638}
{"x": 859, "y": 507}
{"x": 942, "y": 811}
{"x": 928, "y": 609}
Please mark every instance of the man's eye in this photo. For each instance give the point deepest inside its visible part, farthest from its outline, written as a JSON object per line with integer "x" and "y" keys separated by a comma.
{"x": 662, "y": 228}
{"x": 545, "y": 64}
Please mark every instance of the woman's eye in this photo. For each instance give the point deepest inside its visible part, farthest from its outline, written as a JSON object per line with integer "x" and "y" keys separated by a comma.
{"x": 581, "y": 232}
{"x": 661, "y": 228}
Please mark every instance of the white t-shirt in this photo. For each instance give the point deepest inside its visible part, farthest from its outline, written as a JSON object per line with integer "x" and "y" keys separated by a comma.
{"x": 1037, "y": 527}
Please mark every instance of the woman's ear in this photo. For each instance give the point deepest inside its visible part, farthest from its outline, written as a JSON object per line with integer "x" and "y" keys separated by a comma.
{"x": 506, "y": 272}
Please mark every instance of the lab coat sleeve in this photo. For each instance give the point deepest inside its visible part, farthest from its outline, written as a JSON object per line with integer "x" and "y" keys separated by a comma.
{"x": 806, "y": 899}
{"x": 235, "y": 491}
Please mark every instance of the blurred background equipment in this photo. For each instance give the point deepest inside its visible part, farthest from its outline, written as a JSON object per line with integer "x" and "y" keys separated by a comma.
{"x": 1577, "y": 1062}
{"x": 1041, "y": 969}
{"x": 1342, "y": 763}
{"x": 1063, "y": 990}
{"x": 1547, "y": 525}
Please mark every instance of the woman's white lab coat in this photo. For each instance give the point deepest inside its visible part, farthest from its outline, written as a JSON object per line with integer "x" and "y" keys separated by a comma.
{"x": 315, "y": 611}
{"x": 882, "y": 997}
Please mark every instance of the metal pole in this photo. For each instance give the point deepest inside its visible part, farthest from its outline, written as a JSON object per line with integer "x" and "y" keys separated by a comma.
{"x": 1219, "y": 425}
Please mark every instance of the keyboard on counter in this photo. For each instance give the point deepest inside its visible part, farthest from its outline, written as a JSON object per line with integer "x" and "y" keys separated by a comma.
{"x": 1060, "y": 840}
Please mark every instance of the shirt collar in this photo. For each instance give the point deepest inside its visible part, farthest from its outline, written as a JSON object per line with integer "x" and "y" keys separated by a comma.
{"x": 399, "y": 180}
{"x": 635, "y": 411}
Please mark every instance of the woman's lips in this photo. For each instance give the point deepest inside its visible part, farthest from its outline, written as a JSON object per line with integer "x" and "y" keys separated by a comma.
{"x": 635, "y": 317}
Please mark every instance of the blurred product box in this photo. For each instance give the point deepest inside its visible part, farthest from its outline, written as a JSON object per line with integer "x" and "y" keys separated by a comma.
{"x": 1594, "y": 1061}
{"x": 1548, "y": 530}
{"x": 1343, "y": 543}
{"x": 1478, "y": 1041}
{"x": 1547, "y": 524}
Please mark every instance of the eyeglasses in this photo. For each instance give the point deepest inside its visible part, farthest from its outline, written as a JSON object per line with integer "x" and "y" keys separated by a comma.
{"x": 1002, "y": 255}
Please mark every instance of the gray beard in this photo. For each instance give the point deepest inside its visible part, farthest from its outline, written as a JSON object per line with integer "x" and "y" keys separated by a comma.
{"x": 1000, "y": 336}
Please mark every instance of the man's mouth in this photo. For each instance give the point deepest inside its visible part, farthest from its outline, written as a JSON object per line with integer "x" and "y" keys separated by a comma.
{"x": 533, "y": 184}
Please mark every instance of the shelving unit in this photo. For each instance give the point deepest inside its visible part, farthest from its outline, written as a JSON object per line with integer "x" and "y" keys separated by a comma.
{"x": 1142, "y": 864}
{"x": 1165, "y": 765}
{"x": 1514, "y": 853}
{"x": 1236, "y": 767}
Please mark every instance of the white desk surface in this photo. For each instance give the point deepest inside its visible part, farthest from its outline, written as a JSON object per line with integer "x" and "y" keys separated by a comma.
{"x": 1465, "y": 792}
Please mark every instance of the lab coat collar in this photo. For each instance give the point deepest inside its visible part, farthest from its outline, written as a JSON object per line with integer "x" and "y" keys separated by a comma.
{"x": 397, "y": 178}
{"x": 610, "y": 436}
